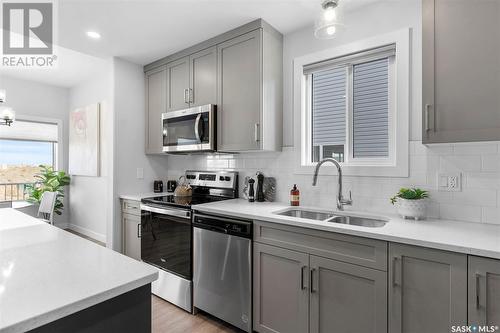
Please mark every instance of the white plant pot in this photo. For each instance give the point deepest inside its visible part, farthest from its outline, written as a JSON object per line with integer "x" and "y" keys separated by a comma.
{"x": 413, "y": 209}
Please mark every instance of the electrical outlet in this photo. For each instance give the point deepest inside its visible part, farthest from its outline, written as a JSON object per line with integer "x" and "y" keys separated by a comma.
{"x": 450, "y": 182}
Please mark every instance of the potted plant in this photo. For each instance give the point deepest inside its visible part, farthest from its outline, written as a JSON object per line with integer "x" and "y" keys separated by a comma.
{"x": 49, "y": 180}
{"x": 411, "y": 203}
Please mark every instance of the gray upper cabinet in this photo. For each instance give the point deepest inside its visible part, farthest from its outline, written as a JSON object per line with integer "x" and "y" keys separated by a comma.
{"x": 156, "y": 85}
{"x": 346, "y": 297}
{"x": 427, "y": 289}
{"x": 241, "y": 71}
{"x": 461, "y": 71}
{"x": 203, "y": 77}
{"x": 281, "y": 293}
{"x": 484, "y": 291}
{"x": 240, "y": 92}
{"x": 178, "y": 84}
{"x": 250, "y": 92}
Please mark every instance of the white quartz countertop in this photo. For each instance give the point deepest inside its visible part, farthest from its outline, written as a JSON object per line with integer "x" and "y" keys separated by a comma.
{"x": 140, "y": 196}
{"x": 47, "y": 273}
{"x": 470, "y": 238}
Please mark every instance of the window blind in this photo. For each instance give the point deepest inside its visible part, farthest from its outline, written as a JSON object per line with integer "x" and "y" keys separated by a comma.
{"x": 30, "y": 131}
{"x": 329, "y": 107}
{"x": 352, "y": 59}
{"x": 371, "y": 109}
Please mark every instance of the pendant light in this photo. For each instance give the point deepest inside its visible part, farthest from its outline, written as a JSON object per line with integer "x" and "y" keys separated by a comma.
{"x": 328, "y": 23}
{"x": 7, "y": 115}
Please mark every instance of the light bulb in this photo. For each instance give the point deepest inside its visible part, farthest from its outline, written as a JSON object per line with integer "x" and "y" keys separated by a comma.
{"x": 331, "y": 30}
{"x": 330, "y": 14}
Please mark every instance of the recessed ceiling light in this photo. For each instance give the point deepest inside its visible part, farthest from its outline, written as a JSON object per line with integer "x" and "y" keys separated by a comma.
{"x": 93, "y": 34}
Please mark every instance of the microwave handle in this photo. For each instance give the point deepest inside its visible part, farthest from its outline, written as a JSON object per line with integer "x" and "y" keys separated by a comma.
{"x": 197, "y": 127}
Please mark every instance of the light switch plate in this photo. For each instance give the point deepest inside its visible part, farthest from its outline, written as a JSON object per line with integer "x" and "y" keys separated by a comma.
{"x": 140, "y": 173}
{"x": 450, "y": 182}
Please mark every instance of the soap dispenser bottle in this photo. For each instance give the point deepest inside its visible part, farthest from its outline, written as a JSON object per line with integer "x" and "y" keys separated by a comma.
{"x": 294, "y": 196}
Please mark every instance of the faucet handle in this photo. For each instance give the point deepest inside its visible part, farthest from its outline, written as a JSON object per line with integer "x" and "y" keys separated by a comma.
{"x": 347, "y": 202}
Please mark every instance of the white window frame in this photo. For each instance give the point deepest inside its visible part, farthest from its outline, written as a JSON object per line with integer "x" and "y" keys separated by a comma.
{"x": 57, "y": 147}
{"x": 397, "y": 165}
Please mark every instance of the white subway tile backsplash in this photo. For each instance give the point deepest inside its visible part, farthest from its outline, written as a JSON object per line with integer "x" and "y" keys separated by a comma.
{"x": 490, "y": 215}
{"x": 479, "y": 164}
{"x": 460, "y": 212}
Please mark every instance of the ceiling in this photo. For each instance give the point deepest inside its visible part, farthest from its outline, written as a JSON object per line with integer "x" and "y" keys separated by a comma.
{"x": 142, "y": 31}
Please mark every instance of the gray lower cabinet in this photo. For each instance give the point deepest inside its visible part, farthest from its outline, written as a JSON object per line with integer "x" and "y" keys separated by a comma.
{"x": 484, "y": 291}
{"x": 346, "y": 298}
{"x": 461, "y": 75}
{"x": 427, "y": 289}
{"x": 298, "y": 292}
{"x": 131, "y": 221}
{"x": 178, "y": 84}
{"x": 281, "y": 294}
{"x": 156, "y": 104}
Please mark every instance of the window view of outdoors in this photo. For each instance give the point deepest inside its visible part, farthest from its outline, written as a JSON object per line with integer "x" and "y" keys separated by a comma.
{"x": 19, "y": 161}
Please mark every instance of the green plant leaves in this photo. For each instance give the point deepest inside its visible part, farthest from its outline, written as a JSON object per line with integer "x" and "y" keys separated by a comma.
{"x": 49, "y": 180}
{"x": 410, "y": 194}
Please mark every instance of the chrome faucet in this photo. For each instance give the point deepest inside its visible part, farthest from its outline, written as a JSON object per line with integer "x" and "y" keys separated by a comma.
{"x": 341, "y": 202}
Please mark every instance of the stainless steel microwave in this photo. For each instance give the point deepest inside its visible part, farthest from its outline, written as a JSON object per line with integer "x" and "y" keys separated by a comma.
{"x": 189, "y": 130}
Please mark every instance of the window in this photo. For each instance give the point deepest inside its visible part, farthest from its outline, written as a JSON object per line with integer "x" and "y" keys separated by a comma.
{"x": 350, "y": 100}
{"x": 23, "y": 147}
{"x": 352, "y": 103}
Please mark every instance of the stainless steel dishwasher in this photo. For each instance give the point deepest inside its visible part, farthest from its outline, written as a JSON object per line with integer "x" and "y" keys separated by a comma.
{"x": 222, "y": 268}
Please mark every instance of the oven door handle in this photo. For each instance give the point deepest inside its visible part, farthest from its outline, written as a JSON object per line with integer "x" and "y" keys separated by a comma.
{"x": 197, "y": 128}
{"x": 185, "y": 214}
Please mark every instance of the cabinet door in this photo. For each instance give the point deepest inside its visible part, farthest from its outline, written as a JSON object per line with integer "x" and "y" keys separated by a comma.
{"x": 347, "y": 298}
{"x": 461, "y": 71}
{"x": 484, "y": 291}
{"x": 427, "y": 289}
{"x": 239, "y": 102}
{"x": 203, "y": 77}
{"x": 281, "y": 293}
{"x": 131, "y": 240}
{"x": 178, "y": 84}
{"x": 156, "y": 82}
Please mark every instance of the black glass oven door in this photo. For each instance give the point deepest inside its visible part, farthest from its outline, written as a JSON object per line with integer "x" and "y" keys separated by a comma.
{"x": 166, "y": 242}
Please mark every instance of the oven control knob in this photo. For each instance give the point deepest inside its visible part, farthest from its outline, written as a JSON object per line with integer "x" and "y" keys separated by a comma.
{"x": 227, "y": 178}
{"x": 221, "y": 178}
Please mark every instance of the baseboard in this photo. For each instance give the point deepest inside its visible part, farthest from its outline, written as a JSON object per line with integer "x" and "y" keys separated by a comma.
{"x": 88, "y": 233}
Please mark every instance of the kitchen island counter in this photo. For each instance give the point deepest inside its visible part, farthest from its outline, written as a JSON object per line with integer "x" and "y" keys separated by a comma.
{"x": 48, "y": 274}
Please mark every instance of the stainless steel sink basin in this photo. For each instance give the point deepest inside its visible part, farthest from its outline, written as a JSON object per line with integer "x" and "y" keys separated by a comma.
{"x": 306, "y": 214}
{"x": 333, "y": 217}
{"x": 359, "y": 221}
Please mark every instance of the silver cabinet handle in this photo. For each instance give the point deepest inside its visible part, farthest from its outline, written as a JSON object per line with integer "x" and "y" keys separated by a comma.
{"x": 478, "y": 281}
{"x": 191, "y": 95}
{"x": 139, "y": 231}
{"x": 394, "y": 267}
{"x": 427, "y": 115}
{"x": 257, "y": 132}
{"x": 302, "y": 286}
{"x": 312, "y": 281}
{"x": 186, "y": 97}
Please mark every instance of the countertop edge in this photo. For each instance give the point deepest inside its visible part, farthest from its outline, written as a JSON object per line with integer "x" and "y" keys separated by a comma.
{"x": 69, "y": 309}
{"x": 359, "y": 233}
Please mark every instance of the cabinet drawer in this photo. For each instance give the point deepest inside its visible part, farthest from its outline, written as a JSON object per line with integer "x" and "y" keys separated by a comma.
{"x": 131, "y": 207}
{"x": 356, "y": 250}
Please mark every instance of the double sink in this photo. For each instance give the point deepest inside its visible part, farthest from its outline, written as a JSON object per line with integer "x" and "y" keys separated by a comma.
{"x": 329, "y": 217}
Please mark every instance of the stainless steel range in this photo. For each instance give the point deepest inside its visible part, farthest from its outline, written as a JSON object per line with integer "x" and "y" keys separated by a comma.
{"x": 166, "y": 232}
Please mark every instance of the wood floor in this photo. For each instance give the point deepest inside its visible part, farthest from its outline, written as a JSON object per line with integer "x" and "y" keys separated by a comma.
{"x": 168, "y": 318}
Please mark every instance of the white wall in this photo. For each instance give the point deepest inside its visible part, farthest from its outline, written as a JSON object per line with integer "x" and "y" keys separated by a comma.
{"x": 33, "y": 99}
{"x": 129, "y": 156}
{"x": 479, "y": 163}
{"x": 90, "y": 196}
